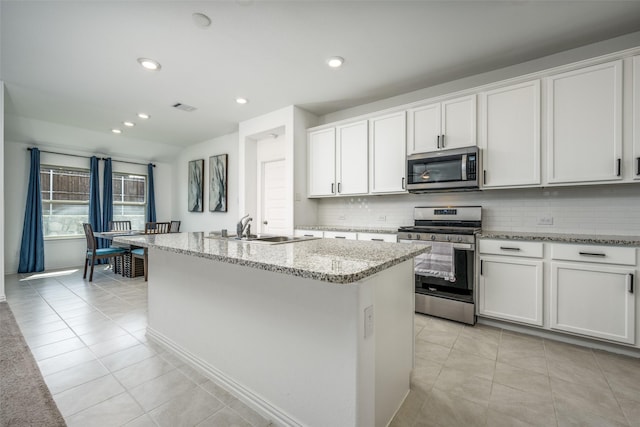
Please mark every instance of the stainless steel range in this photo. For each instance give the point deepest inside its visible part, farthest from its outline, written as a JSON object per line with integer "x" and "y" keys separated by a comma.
{"x": 445, "y": 277}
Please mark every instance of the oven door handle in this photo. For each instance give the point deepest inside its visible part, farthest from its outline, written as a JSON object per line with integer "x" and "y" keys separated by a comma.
{"x": 465, "y": 246}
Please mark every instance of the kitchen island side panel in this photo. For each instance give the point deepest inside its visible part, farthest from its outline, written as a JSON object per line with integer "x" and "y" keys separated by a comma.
{"x": 296, "y": 346}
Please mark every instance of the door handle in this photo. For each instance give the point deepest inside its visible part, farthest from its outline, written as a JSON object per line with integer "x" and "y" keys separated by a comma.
{"x": 377, "y": 240}
{"x": 481, "y": 265}
{"x": 637, "y": 165}
{"x": 484, "y": 176}
{"x": 339, "y": 187}
{"x": 508, "y": 248}
{"x": 332, "y": 187}
{"x": 340, "y": 237}
{"x": 438, "y": 139}
{"x": 442, "y": 141}
{"x": 619, "y": 167}
{"x": 403, "y": 183}
{"x": 630, "y": 288}
{"x": 265, "y": 222}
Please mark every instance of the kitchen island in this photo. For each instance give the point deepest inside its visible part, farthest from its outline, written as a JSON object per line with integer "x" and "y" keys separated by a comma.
{"x": 313, "y": 333}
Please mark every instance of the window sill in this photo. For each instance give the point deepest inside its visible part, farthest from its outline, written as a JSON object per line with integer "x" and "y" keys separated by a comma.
{"x": 62, "y": 238}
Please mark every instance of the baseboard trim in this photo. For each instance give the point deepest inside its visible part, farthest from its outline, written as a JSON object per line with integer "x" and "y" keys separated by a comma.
{"x": 256, "y": 402}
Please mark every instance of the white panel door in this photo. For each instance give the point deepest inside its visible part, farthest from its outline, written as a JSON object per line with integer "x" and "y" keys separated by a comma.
{"x": 511, "y": 135}
{"x": 459, "y": 123}
{"x": 274, "y": 198}
{"x": 423, "y": 129}
{"x": 593, "y": 300}
{"x": 636, "y": 117}
{"x": 322, "y": 162}
{"x": 353, "y": 159}
{"x": 511, "y": 289}
{"x": 584, "y": 137}
{"x": 388, "y": 159}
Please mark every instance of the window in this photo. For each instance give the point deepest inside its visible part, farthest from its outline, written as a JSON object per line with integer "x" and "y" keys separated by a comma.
{"x": 65, "y": 200}
{"x": 130, "y": 199}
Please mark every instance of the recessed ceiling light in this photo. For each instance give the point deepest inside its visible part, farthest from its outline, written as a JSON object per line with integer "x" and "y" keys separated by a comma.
{"x": 201, "y": 20}
{"x": 149, "y": 64}
{"x": 335, "y": 61}
{"x": 116, "y": 131}
{"x": 129, "y": 124}
{"x": 242, "y": 100}
{"x": 143, "y": 115}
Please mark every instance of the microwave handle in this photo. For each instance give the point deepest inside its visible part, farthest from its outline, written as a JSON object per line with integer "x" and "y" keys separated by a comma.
{"x": 464, "y": 166}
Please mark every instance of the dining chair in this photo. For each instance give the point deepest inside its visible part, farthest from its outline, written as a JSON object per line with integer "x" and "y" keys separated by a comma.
{"x": 119, "y": 225}
{"x": 94, "y": 253}
{"x": 175, "y": 226}
{"x": 142, "y": 253}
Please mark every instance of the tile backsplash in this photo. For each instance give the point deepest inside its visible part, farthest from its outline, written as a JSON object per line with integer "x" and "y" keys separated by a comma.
{"x": 602, "y": 209}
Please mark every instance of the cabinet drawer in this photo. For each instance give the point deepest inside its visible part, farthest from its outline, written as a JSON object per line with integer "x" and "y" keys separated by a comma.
{"x": 378, "y": 237}
{"x": 511, "y": 248}
{"x": 593, "y": 253}
{"x": 308, "y": 233}
{"x": 349, "y": 235}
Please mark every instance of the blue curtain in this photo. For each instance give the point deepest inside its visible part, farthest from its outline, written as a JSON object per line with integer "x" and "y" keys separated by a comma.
{"x": 32, "y": 247}
{"x": 151, "y": 208}
{"x": 107, "y": 195}
{"x": 95, "y": 219}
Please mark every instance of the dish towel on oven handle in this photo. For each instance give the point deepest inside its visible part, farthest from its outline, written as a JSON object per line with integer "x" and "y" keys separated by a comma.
{"x": 438, "y": 263}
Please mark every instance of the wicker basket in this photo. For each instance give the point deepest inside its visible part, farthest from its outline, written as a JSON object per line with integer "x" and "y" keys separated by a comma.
{"x": 129, "y": 266}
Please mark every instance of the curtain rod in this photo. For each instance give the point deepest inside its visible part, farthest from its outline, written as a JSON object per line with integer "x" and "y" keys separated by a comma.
{"x": 88, "y": 157}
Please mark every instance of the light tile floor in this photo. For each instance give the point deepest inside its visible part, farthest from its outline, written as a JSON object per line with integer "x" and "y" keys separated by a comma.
{"x": 89, "y": 341}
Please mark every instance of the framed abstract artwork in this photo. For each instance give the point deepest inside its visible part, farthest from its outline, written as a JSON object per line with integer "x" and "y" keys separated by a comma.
{"x": 218, "y": 183}
{"x": 196, "y": 185}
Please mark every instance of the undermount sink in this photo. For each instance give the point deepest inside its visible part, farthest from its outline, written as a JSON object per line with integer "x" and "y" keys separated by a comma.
{"x": 269, "y": 240}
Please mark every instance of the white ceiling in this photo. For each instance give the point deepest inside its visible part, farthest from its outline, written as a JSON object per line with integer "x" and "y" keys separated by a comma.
{"x": 73, "y": 63}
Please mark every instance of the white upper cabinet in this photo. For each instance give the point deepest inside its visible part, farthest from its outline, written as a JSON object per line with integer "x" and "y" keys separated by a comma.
{"x": 388, "y": 155}
{"x": 352, "y": 159}
{"x": 636, "y": 117}
{"x": 584, "y": 124}
{"x": 322, "y": 162}
{"x": 510, "y": 135}
{"x": 443, "y": 125}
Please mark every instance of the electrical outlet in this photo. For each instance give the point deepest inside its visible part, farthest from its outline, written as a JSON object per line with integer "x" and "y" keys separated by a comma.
{"x": 342, "y": 218}
{"x": 382, "y": 218}
{"x": 368, "y": 321}
{"x": 545, "y": 220}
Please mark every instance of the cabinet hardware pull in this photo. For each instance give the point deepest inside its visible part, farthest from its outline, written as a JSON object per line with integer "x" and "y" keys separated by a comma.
{"x": 638, "y": 166}
{"x": 377, "y": 240}
{"x": 481, "y": 265}
{"x": 630, "y": 283}
{"x": 438, "y": 141}
{"x": 442, "y": 141}
{"x": 308, "y": 235}
{"x": 403, "y": 183}
{"x": 508, "y": 248}
{"x": 484, "y": 176}
{"x": 340, "y": 237}
{"x": 619, "y": 166}
{"x": 592, "y": 254}
{"x": 332, "y": 186}
{"x": 339, "y": 187}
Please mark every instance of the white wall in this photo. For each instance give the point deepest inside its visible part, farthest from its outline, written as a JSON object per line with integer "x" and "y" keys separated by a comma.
{"x": 598, "y": 209}
{"x": 206, "y": 221}
{"x": 2, "y": 215}
{"x": 60, "y": 253}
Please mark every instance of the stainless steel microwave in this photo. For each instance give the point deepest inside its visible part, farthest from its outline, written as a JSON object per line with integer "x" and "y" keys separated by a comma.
{"x": 455, "y": 169}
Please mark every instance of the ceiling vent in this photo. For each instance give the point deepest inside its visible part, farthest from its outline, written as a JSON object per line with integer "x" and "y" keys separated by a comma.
{"x": 184, "y": 107}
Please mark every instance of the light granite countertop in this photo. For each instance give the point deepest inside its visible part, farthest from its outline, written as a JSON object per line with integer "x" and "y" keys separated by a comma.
{"x": 585, "y": 239}
{"x": 328, "y": 260}
{"x": 353, "y": 229}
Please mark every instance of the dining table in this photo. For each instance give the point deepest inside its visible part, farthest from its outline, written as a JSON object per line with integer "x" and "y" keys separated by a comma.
{"x": 127, "y": 266}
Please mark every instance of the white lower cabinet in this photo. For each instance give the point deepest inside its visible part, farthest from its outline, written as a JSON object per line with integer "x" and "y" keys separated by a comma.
{"x": 511, "y": 289}
{"x": 593, "y": 300}
{"x": 510, "y": 282}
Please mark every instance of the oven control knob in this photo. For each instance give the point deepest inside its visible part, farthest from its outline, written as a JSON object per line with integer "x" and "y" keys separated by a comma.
{"x": 418, "y": 236}
{"x": 448, "y": 238}
{"x": 408, "y": 236}
{"x": 459, "y": 238}
{"x": 433, "y": 237}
